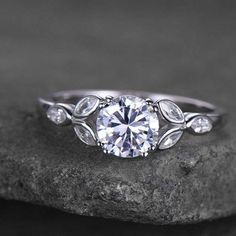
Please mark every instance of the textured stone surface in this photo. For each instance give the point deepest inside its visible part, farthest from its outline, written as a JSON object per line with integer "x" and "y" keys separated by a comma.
{"x": 29, "y": 219}
{"x": 174, "y": 49}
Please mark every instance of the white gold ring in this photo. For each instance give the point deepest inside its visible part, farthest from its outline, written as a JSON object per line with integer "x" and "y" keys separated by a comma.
{"x": 128, "y": 124}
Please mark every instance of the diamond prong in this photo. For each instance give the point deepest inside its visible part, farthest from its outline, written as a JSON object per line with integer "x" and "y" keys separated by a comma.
{"x": 106, "y": 151}
{"x": 99, "y": 143}
{"x": 144, "y": 154}
{"x": 103, "y": 104}
{"x": 109, "y": 99}
{"x": 149, "y": 101}
{"x": 153, "y": 148}
{"x": 155, "y": 108}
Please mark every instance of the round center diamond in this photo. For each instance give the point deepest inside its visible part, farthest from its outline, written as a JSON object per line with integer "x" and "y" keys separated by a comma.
{"x": 128, "y": 127}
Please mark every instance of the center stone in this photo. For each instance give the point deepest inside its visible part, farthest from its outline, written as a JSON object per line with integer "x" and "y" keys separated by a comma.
{"x": 128, "y": 127}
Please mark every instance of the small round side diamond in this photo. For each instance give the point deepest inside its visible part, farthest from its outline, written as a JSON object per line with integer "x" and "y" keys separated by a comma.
{"x": 201, "y": 125}
{"x": 57, "y": 114}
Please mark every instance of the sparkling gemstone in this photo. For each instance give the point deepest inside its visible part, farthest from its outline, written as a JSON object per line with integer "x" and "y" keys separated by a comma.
{"x": 171, "y": 111}
{"x": 86, "y": 106}
{"x": 201, "y": 124}
{"x": 57, "y": 114}
{"x": 171, "y": 139}
{"x": 85, "y": 134}
{"x": 128, "y": 127}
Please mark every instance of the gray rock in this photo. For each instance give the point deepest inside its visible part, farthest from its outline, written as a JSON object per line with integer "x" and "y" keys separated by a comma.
{"x": 43, "y": 164}
{"x": 46, "y": 165}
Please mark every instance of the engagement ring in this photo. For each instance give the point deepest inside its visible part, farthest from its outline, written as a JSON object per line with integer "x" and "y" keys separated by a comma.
{"x": 128, "y": 124}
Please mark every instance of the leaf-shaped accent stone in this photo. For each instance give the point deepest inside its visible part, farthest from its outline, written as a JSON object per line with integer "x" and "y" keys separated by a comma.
{"x": 85, "y": 134}
{"x": 171, "y": 111}
{"x": 57, "y": 114}
{"x": 170, "y": 139}
{"x": 86, "y": 106}
{"x": 201, "y": 124}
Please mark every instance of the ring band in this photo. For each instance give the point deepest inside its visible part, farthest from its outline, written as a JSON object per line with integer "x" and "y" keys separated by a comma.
{"x": 128, "y": 124}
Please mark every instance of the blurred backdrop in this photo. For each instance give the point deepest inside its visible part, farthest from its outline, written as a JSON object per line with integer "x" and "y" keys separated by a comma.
{"x": 183, "y": 47}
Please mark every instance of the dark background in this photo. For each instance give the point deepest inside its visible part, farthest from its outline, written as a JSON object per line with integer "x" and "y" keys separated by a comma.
{"x": 25, "y": 219}
{"x": 181, "y": 47}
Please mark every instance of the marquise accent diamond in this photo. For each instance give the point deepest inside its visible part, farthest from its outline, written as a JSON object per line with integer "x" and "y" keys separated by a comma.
{"x": 171, "y": 139}
{"x": 85, "y": 134}
{"x": 171, "y": 111}
{"x": 86, "y": 106}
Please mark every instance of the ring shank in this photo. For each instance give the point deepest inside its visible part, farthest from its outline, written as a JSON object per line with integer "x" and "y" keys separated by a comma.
{"x": 188, "y": 105}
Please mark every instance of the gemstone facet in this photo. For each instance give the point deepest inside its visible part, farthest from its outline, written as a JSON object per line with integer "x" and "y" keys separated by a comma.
{"x": 128, "y": 127}
{"x": 171, "y": 139}
{"x": 86, "y": 106}
{"x": 57, "y": 114}
{"x": 171, "y": 111}
{"x": 85, "y": 134}
{"x": 201, "y": 125}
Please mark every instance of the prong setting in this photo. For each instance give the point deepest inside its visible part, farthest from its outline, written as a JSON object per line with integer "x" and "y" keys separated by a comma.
{"x": 149, "y": 101}
{"x": 134, "y": 116}
{"x": 144, "y": 154}
{"x": 108, "y": 99}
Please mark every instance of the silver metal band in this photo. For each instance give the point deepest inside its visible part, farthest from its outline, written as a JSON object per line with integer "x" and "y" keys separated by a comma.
{"x": 198, "y": 115}
{"x": 188, "y": 105}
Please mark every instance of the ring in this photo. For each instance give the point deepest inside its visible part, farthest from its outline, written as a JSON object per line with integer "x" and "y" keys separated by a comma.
{"x": 129, "y": 124}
